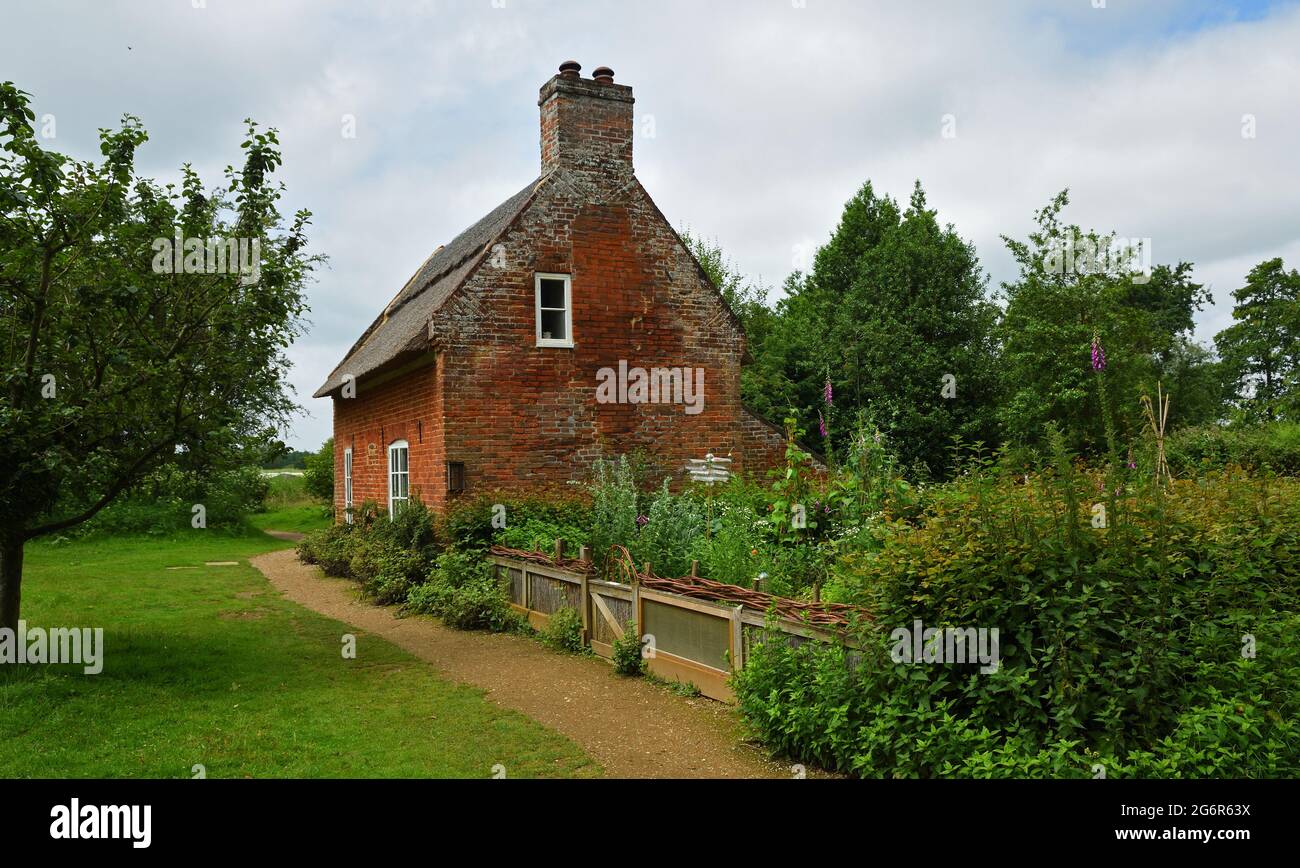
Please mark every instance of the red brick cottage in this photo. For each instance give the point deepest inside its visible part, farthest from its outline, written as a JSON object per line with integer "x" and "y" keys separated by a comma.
{"x": 569, "y": 322}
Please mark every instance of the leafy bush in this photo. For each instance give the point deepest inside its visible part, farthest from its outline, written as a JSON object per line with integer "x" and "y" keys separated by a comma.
{"x": 628, "y": 659}
{"x": 563, "y": 632}
{"x": 540, "y": 534}
{"x": 318, "y": 477}
{"x": 327, "y": 549}
{"x": 1120, "y": 645}
{"x": 613, "y": 508}
{"x": 164, "y": 502}
{"x": 731, "y": 553}
{"x": 1267, "y": 447}
{"x": 468, "y": 524}
{"x": 388, "y": 557}
{"x": 673, "y": 525}
{"x": 463, "y": 591}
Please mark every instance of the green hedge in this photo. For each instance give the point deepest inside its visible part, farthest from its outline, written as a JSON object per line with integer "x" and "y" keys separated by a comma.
{"x": 1275, "y": 448}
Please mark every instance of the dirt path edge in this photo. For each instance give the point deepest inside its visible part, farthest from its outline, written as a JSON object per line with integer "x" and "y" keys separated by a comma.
{"x": 634, "y": 729}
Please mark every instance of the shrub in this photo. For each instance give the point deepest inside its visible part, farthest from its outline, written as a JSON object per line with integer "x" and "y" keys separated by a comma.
{"x": 318, "y": 477}
{"x": 732, "y": 553}
{"x": 628, "y": 659}
{"x": 613, "y": 508}
{"x": 388, "y": 557}
{"x": 395, "y": 573}
{"x": 1120, "y": 645}
{"x": 540, "y": 534}
{"x": 1275, "y": 448}
{"x": 673, "y": 525}
{"x": 163, "y": 503}
{"x": 328, "y": 549}
{"x": 563, "y": 632}
{"x": 468, "y": 524}
{"x": 463, "y": 591}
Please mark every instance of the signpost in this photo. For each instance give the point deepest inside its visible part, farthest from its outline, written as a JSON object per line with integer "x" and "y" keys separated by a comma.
{"x": 709, "y": 469}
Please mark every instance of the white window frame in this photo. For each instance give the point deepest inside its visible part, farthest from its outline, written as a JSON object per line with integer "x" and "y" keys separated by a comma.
{"x": 347, "y": 485}
{"x": 394, "y": 476}
{"x": 568, "y": 309}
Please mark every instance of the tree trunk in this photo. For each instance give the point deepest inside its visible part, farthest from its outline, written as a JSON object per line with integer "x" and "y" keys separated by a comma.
{"x": 11, "y": 579}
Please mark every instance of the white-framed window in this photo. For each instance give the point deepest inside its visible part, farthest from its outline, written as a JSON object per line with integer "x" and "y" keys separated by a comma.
{"x": 347, "y": 485}
{"x": 554, "y": 310}
{"x": 399, "y": 476}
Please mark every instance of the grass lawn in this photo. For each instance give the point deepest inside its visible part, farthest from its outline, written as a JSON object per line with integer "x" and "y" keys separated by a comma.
{"x": 208, "y": 665}
{"x": 289, "y": 507}
{"x": 293, "y": 518}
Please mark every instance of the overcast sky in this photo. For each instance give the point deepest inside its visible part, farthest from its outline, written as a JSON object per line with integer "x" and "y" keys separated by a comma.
{"x": 758, "y": 119}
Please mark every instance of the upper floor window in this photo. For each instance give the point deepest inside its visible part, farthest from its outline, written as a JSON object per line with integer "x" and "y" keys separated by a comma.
{"x": 399, "y": 476}
{"x": 347, "y": 485}
{"x": 554, "y": 310}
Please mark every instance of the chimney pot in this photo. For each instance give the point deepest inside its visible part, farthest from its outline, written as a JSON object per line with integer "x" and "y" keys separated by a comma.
{"x": 587, "y": 125}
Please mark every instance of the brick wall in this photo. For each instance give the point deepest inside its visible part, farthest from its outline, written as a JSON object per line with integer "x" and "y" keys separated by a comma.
{"x": 587, "y": 127}
{"x": 518, "y": 414}
{"x": 406, "y": 408}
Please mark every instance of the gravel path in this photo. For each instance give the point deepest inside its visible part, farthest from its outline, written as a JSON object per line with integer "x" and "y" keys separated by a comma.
{"x": 634, "y": 729}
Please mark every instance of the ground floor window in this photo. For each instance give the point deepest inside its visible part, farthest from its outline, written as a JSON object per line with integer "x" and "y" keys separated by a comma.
{"x": 399, "y": 476}
{"x": 347, "y": 485}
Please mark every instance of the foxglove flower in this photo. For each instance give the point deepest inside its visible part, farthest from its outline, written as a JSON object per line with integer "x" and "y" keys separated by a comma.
{"x": 642, "y": 520}
{"x": 821, "y": 423}
{"x": 828, "y": 393}
{"x": 1098, "y": 354}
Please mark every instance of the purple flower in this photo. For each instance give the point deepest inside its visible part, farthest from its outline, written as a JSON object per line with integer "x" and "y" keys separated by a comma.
{"x": 1098, "y": 354}
{"x": 821, "y": 423}
{"x": 828, "y": 392}
{"x": 642, "y": 520}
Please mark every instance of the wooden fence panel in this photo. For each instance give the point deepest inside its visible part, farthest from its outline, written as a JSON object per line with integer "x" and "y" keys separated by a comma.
{"x": 610, "y": 616}
{"x": 547, "y": 595}
{"x": 695, "y": 640}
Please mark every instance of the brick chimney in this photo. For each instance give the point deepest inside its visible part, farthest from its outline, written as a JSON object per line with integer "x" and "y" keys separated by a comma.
{"x": 587, "y": 124}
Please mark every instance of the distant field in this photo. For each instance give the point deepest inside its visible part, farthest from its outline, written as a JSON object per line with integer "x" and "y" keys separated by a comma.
{"x": 209, "y": 666}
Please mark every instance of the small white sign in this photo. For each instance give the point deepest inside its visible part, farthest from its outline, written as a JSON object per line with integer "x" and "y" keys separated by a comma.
{"x": 709, "y": 469}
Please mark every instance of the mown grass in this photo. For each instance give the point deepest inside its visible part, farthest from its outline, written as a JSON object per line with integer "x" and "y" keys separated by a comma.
{"x": 300, "y": 519}
{"x": 289, "y": 507}
{"x": 207, "y": 665}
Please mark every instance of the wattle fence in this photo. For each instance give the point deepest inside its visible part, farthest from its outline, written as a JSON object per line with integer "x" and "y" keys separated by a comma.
{"x": 696, "y": 631}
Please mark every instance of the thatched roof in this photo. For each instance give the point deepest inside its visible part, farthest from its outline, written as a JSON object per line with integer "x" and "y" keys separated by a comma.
{"x": 401, "y": 328}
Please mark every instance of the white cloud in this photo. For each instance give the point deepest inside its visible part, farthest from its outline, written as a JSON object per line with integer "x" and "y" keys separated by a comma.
{"x": 768, "y": 118}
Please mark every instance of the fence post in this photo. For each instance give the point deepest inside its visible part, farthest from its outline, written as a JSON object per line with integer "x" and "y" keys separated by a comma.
{"x": 737, "y": 639}
{"x": 695, "y": 569}
{"x": 636, "y": 604}
{"x": 559, "y": 550}
{"x": 585, "y": 597}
